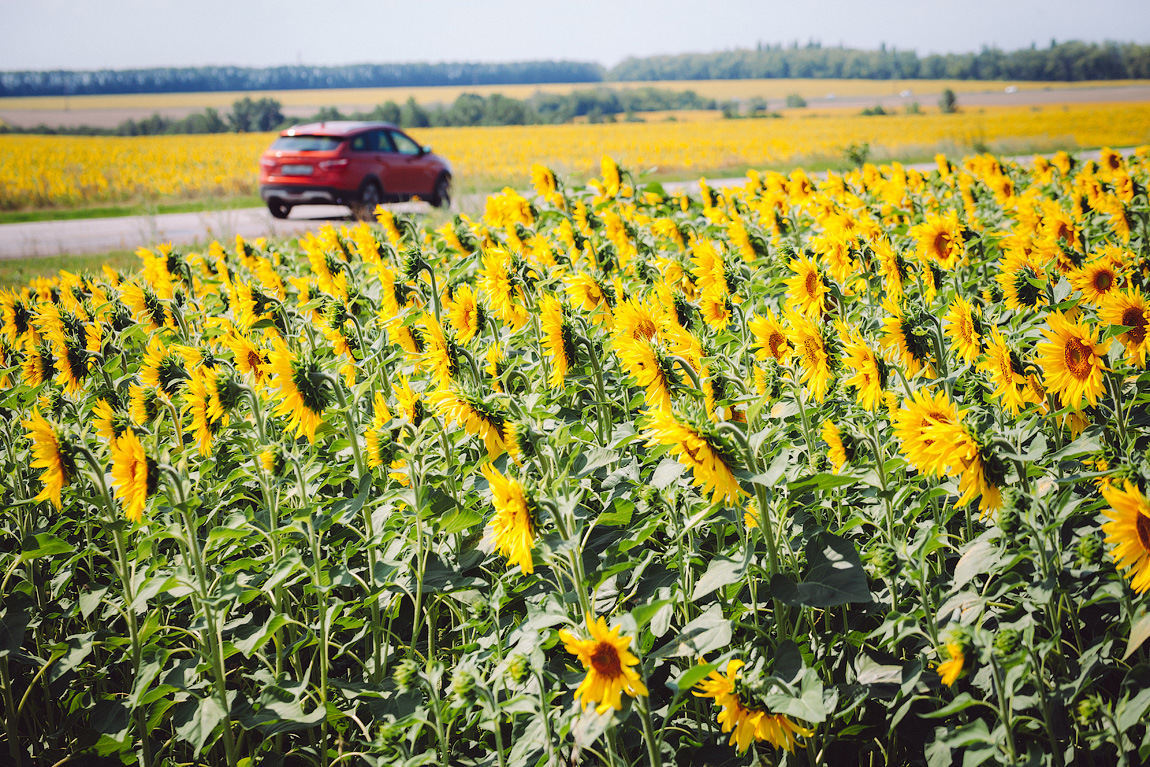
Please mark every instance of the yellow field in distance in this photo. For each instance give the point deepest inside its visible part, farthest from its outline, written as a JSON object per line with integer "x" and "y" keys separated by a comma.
{"x": 771, "y": 89}
{"x": 41, "y": 171}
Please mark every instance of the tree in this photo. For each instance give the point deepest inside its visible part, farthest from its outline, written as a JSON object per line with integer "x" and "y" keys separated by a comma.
{"x": 251, "y": 116}
{"x": 948, "y": 103}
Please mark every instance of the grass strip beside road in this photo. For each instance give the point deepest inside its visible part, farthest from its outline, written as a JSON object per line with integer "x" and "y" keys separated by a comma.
{"x": 18, "y": 272}
{"x": 132, "y": 209}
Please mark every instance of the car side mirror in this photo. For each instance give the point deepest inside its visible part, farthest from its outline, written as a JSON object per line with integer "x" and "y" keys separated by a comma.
{"x": 425, "y": 150}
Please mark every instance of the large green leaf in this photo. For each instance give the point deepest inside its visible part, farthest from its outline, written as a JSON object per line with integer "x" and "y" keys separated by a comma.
{"x": 835, "y": 577}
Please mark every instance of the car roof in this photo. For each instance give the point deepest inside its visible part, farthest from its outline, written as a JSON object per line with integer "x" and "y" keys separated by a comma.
{"x": 334, "y": 128}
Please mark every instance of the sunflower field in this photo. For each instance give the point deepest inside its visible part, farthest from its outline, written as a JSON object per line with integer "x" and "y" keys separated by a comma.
{"x": 843, "y": 470}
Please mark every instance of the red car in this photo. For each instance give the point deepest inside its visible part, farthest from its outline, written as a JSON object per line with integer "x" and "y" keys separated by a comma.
{"x": 358, "y": 164}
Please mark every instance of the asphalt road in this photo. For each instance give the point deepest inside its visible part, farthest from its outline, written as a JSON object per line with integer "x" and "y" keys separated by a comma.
{"x": 101, "y": 235}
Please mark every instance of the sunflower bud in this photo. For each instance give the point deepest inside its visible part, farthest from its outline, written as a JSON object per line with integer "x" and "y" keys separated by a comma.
{"x": 462, "y": 688}
{"x": 405, "y": 674}
{"x": 1007, "y": 642}
{"x": 1088, "y": 709}
{"x": 1088, "y": 552}
{"x": 883, "y": 559}
{"x": 517, "y": 668}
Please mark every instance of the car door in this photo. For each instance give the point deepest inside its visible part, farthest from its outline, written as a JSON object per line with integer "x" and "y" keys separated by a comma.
{"x": 411, "y": 169}
{"x": 364, "y": 158}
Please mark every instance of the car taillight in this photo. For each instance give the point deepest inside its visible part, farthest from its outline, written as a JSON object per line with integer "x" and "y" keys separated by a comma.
{"x": 267, "y": 162}
{"x": 333, "y": 164}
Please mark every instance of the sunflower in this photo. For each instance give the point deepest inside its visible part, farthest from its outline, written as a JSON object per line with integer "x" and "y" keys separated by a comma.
{"x": 907, "y": 332}
{"x": 16, "y": 314}
{"x": 108, "y": 422}
{"x": 913, "y": 423}
{"x": 514, "y": 524}
{"x": 1022, "y": 278}
{"x": 716, "y": 308}
{"x": 38, "y": 364}
{"x": 247, "y": 357}
{"x": 163, "y": 368}
{"x": 951, "y": 448}
{"x": 377, "y": 438}
{"x": 303, "y": 394}
{"x": 951, "y": 669}
{"x": 649, "y": 364}
{"x": 810, "y": 344}
{"x": 558, "y": 338}
{"x": 1129, "y": 308}
{"x": 144, "y": 405}
{"x": 52, "y": 453}
{"x": 641, "y": 319}
{"x": 963, "y": 324}
{"x": 700, "y": 447}
{"x": 940, "y": 240}
{"x": 1006, "y": 372}
{"x": 134, "y": 475}
{"x": 474, "y": 414}
{"x": 770, "y": 338}
{"x": 1071, "y": 360}
{"x": 466, "y": 314}
{"x": 807, "y": 290}
{"x": 410, "y": 402}
{"x": 502, "y": 287}
{"x": 840, "y": 447}
{"x": 869, "y": 376}
{"x": 1096, "y": 280}
{"x": 144, "y": 302}
{"x": 1129, "y": 530}
{"x": 441, "y": 353}
{"x": 608, "y": 663}
{"x": 749, "y": 720}
{"x": 205, "y": 424}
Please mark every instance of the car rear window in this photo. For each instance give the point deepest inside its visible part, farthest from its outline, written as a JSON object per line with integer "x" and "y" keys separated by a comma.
{"x": 307, "y": 143}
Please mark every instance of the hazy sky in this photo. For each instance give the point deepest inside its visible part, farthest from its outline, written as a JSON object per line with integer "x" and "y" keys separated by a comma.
{"x": 93, "y": 34}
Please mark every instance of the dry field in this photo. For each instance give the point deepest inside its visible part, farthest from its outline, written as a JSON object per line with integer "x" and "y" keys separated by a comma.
{"x": 110, "y": 110}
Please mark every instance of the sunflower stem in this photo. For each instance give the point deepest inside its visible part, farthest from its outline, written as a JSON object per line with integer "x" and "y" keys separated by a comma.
{"x": 653, "y": 751}
{"x": 349, "y": 418}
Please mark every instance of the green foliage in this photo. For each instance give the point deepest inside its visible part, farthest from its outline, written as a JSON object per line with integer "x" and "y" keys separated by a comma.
{"x": 948, "y": 102}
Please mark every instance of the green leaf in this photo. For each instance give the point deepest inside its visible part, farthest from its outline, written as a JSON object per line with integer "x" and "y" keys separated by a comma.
{"x": 459, "y": 519}
{"x": 619, "y": 515}
{"x": 259, "y": 636}
{"x": 1139, "y": 632}
{"x": 668, "y": 470}
{"x": 90, "y": 600}
{"x": 691, "y": 676}
{"x": 836, "y": 576}
{"x": 705, "y": 634}
{"x": 978, "y": 559}
{"x": 962, "y": 702}
{"x": 43, "y": 545}
{"x": 721, "y": 572}
{"x": 195, "y": 721}
{"x": 820, "y": 482}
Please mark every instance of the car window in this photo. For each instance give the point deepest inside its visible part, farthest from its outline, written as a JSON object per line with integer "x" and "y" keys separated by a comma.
{"x": 404, "y": 145}
{"x": 306, "y": 143}
{"x": 385, "y": 143}
{"x": 364, "y": 142}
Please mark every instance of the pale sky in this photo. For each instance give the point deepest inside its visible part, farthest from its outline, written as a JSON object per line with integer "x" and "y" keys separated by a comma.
{"x": 119, "y": 34}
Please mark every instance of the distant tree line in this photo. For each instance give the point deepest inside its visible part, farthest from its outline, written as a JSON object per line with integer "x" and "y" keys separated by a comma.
{"x": 201, "y": 79}
{"x": 594, "y": 104}
{"x": 265, "y": 114}
{"x": 1060, "y": 61}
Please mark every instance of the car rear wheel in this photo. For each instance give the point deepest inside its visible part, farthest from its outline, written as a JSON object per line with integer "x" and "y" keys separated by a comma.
{"x": 370, "y": 195}
{"x": 279, "y": 208}
{"x": 441, "y": 195}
